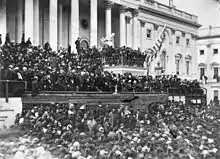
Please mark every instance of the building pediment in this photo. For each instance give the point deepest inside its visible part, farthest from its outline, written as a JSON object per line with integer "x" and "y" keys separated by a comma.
{"x": 202, "y": 64}
{"x": 178, "y": 56}
{"x": 188, "y": 57}
{"x": 214, "y": 64}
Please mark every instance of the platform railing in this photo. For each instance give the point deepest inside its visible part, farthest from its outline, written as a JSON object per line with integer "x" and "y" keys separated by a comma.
{"x": 12, "y": 88}
{"x": 123, "y": 61}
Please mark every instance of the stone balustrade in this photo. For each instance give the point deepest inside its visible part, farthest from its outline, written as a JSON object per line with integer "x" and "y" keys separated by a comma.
{"x": 170, "y": 10}
{"x": 211, "y": 31}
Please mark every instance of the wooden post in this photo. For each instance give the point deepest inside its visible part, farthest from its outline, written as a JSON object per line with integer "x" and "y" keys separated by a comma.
{"x": 122, "y": 60}
{"x": 6, "y": 91}
{"x": 116, "y": 89}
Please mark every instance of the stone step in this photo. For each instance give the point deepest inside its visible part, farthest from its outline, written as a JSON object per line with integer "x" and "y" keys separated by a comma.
{"x": 8, "y": 117}
{"x": 2, "y": 123}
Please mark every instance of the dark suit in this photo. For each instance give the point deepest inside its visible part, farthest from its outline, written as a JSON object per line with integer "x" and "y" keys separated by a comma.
{"x": 35, "y": 88}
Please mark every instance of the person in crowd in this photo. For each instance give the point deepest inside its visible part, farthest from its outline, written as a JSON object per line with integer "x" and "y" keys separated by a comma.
{"x": 28, "y": 42}
{"x": 7, "y": 39}
{"x": 69, "y": 49}
{"x": 35, "y": 87}
{"x": 77, "y": 43}
{"x": 0, "y": 39}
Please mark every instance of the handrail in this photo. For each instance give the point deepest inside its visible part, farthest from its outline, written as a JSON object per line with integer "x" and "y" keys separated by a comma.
{"x": 93, "y": 92}
{"x": 7, "y": 87}
{"x": 123, "y": 61}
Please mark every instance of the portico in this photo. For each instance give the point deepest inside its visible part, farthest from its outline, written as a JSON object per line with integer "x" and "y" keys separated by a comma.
{"x": 136, "y": 24}
{"x": 61, "y": 22}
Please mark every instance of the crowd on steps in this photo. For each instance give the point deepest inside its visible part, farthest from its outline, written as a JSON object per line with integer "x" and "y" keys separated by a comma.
{"x": 46, "y": 70}
{"x": 168, "y": 130}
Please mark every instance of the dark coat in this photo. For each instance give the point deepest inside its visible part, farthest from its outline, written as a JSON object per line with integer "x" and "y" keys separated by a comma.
{"x": 35, "y": 88}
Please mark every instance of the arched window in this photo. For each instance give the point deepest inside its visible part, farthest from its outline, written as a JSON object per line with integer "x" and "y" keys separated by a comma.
{"x": 178, "y": 57}
{"x": 202, "y": 70}
{"x": 188, "y": 59}
{"x": 215, "y": 67}
{"x": 84, "y": 44}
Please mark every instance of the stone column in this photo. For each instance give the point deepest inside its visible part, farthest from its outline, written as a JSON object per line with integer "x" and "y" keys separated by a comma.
{"x": 156, "y": 27}
{"x": 60, "y": 25}
{"x": 93, "y": 22}
{"x": 36, "y": 23}
{"x": 19, "y": 21}
{"x": 29, "y": 20}
{"x": 108, "y": 18}
{"x": 135, "y": 21}
{"x": 3, "y": 23}
{"x": 53, "y": 24}
{"x": 194, "y": 64}
{"x": 171, "y": 3}
{"x": 128, "y": 32}
{"x": 184, "y": 51}
{"x": 74, "y": 23}
{"x": 122, "y": 26}
{"x": 172, "y": 63}
{"x": 142, "y": 35}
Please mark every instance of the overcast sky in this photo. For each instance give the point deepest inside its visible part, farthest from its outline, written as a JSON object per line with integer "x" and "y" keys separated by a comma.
{"x": 208, "y": 11}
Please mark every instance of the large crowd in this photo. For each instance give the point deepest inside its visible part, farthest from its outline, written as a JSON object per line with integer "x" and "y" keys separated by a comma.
{"x": 170, "y": 130}
{"x": 46, "y": 70}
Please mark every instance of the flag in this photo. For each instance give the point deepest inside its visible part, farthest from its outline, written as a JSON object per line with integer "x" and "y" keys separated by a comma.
{"x": 156, "y": 47}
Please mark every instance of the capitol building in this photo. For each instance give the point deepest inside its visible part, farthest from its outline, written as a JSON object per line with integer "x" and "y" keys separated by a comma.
{"x": 135, "y": 23}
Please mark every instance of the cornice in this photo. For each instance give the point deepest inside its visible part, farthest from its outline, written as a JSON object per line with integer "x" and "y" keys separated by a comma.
{"x": 174, "y": 27}
{"x": 167, "y": 16}
{"x": 208, "y": 37}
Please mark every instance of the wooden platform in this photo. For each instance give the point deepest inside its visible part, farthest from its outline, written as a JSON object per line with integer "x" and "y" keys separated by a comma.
{"x": 93, "y": 98}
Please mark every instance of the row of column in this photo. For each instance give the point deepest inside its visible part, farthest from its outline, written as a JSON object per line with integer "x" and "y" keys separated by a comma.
{"x": 31, "y": 24}
{"x": 122, "y": 30}
{"x": 29, "y": 9}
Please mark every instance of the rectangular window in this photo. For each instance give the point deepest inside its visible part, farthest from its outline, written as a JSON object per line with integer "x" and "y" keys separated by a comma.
{"x": 187, "y": 68}
{"x": 215, "y": 95}
{"x": 148, "y": 33}
{"x": 202, "y": 52}
{"x": 187, "y": 42}
{"x": 215, "y": 73}
{"x": 177, "y": 40}
{"x": 215, "y": 51}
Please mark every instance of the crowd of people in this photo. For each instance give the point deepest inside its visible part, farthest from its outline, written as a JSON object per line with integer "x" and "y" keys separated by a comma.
{"x": 46, "y": 70}
{"x": 168, "y": 130}
{"x": 123, "y": 56}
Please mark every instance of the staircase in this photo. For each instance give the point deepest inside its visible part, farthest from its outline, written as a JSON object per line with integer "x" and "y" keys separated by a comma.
{"x": 8, "y": 111}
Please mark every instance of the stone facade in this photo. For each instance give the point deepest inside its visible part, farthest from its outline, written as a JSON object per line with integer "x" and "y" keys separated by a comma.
{"x": 136, "y": 23}
{"x": 208, "y": 51}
